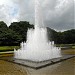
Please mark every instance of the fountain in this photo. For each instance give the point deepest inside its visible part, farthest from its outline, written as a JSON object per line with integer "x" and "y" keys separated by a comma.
{"x": 37, "y": 48}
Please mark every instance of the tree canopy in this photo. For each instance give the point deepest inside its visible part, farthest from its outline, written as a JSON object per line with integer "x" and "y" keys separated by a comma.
{"x": 21, "y": 28}
{"x": 17, "y": 32}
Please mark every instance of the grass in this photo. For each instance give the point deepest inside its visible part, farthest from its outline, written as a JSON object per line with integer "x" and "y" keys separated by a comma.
{"x": 8, "y": 47}
{"x": 7, "y": 50}
{"x": 71, "y": 46}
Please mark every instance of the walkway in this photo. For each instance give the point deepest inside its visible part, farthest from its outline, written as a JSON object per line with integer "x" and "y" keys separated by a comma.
{"x": 7, "y": 68}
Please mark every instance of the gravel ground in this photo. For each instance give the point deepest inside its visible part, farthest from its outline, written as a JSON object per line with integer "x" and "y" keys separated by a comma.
{"x": 64, "y": 68}
{"x": 7, "y": 68}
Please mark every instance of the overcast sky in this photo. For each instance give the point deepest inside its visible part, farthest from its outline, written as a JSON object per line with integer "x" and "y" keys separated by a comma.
{"x": 57, "y": 14}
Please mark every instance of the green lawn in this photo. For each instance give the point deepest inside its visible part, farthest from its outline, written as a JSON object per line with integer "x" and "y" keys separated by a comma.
{"x": 8, "y": 47}
{"x": 7, "y": 50}
{"x": 71, "y": 46}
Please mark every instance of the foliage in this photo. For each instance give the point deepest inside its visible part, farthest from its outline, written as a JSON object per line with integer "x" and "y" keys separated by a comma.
{"x": 17, "y": 32}
{"x": 21, "y": 28}
{"x": 66, "y": 37}
{"x": 8, "y": 36}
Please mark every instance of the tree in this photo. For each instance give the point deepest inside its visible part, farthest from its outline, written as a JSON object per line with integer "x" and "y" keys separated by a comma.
{"x": 52, "y": 35}
{"x": 69, "y": 36}
{"x": 21, "y": 28}
{"x": 17, "y": 32}
{"x": 8, "y": 36}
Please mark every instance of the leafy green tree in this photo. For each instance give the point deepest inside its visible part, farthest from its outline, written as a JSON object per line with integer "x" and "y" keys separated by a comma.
{"x": 69, "y": 36}
{"x": 66, "y": 37}
{"x": 17, "y": 32}
{"x": 21, "y": 28}
{"x": 52, "y": 35}
{"x": 8, "y": 36}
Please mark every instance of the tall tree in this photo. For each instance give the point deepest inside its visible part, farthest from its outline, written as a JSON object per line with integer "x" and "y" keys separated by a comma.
{"x": 21, "y": 28}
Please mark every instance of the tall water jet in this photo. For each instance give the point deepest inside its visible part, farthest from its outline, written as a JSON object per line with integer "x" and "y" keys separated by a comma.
{"x": 38, "y": 14}
{"x": 37, "y": 47}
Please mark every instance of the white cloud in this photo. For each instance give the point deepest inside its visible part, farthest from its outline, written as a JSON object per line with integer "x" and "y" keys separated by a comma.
{"x": 7, "y": 11}
{"x": 57, "y": 14}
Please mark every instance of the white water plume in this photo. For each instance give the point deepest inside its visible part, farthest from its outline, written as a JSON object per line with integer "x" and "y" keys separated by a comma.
{"x": 37, "y": 47}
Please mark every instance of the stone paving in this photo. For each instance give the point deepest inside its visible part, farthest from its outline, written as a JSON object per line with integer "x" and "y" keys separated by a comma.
{"x": 63, "y": 68}
{"x": 7, "y": 68}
